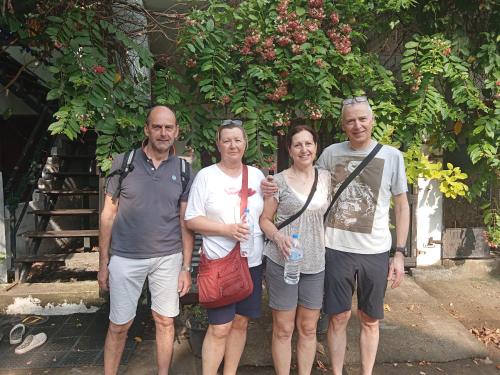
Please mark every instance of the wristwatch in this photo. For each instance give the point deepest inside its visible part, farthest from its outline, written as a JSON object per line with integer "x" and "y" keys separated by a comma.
{"x": 187, "y": 269}
{"x": 400, "y": 249}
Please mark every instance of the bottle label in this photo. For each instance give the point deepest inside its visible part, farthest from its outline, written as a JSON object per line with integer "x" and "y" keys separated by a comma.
{"x": 295, "y": 255}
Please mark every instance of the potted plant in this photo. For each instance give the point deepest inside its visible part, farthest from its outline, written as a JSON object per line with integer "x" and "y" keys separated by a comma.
{"x": 197, "y": 324}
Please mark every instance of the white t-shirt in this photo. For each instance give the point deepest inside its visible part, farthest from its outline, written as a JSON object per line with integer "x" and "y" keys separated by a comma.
{"x": 359, "y": 220}
{"x": 216, "y": 196}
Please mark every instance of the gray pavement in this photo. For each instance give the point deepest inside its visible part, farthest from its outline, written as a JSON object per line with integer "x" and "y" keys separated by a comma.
{"x": 425, "y": 332}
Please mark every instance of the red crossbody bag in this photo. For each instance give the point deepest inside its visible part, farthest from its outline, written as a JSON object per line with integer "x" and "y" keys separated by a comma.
{"x": 227, "y": 280}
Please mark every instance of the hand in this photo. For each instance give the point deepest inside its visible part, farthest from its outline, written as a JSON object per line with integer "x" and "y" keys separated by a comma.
{"x": 239, "y": 231}
{"x": 103, "y": 277}
{"x": 184, "y": 283}
{"x": 268, "y": 186}
{"x": 284, "y": 244}
{"x": 396, "y": 270}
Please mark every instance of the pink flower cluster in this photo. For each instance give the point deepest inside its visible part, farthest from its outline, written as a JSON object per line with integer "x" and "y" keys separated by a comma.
{"x": 340, "y": 35}
{"x": 280, "y": 91}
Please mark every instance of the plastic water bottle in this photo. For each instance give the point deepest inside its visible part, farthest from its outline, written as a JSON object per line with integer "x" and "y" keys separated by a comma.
{"x": 291, "y": 274}
{"x": 246, "y": 247}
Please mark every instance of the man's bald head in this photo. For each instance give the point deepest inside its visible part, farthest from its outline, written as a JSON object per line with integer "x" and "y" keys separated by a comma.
{"x": 160, "y": 110}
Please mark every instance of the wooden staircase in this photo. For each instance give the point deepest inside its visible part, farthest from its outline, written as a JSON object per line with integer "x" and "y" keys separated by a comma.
{"x": 68, "y": 180}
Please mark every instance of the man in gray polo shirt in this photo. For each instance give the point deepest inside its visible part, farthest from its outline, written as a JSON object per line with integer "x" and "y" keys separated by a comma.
{"x": 144, "y": 231}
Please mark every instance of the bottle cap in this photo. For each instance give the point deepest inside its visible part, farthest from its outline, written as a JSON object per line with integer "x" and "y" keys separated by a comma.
{"x": 295, "y": 235}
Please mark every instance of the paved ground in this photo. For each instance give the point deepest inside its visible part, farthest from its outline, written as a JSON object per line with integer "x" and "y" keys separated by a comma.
{"x": 425, "y": 332}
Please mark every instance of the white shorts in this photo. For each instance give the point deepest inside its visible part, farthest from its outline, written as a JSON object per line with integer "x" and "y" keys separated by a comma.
{"x": 126, "y": 280}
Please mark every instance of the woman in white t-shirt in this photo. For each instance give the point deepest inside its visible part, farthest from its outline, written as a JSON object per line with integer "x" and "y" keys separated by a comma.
{"x": 214, "y": 211}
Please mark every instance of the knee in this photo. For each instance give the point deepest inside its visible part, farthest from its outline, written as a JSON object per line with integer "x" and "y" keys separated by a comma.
{"x": 119, "y": 329}
{"x": 163, "y": 323}
{"x": 307, "y": 330}
{"x": 240, "y": 323}
{"x": 367, "y": 322}
{"x": 340, "y": 320}
{"x": 283, "y": 331}
{"x": 219, "y": 331}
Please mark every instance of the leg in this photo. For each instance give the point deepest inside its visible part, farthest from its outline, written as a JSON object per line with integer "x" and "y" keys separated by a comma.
{"x": 372, "y": 282}
{"x": 164, "y": 342}
{"x": 235, "y": 344}
{"x": 307, "y": 320}
{"x": 283, "y": 326}
{"x": 126, "y": 278}
{"x": 113, "y": 346}
{"x": 214, "y": 347}
{"x": 337, "y": 340}
{"x": 368, "y": 342}
{"x": 163, "y": 278}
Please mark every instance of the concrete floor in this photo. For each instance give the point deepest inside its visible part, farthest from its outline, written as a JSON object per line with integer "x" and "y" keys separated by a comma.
{"x": 425, "y": 332}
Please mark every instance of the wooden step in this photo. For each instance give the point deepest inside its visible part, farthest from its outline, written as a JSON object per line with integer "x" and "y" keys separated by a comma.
{"x": 65, "y": 212}
{"x": 74, "y": 157}
{"x": 72, "y": 174}
{"x": 63, "y": 233}
{"x": 88, "y": 261}
{"x": 41, "y": 258}
{"x": 70, "y": 192}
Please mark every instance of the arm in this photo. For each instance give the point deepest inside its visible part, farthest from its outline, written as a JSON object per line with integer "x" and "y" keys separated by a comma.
{"x": 402, "y": 213}
{"x": 187, "y": 251}
{"x": 268, "y": 186}
{"x": 207, "y": 227}
{"x": 108, "y": 216}
{"x": 283, "y": 242}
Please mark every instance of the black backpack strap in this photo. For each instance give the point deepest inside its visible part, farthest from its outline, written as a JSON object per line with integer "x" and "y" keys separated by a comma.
{"x": 123, "y": 171}
{"x": 185, "y": 173}
{"x": 352, "y": 176}
{"x": 309, "y": 198}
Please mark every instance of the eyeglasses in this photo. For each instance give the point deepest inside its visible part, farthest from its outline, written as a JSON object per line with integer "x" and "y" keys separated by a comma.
{"x": 231, "y": 122}
{"x": 354, "y": 100}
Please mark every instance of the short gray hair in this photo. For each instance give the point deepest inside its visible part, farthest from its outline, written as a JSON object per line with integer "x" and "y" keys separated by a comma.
{"x": 366, "y": 103}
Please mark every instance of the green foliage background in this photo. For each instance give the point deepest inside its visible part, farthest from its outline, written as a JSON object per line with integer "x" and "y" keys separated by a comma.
{"x": 438, "y": 86}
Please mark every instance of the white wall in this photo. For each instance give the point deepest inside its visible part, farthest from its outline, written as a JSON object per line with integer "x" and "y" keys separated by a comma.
{"x": 429, "y": 218}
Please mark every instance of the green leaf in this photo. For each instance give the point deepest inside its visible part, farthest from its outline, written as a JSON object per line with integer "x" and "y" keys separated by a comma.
{"x": 210, "y": 25}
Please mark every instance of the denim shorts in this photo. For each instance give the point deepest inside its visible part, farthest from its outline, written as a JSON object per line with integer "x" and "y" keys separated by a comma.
{"x": 249, "y": 307}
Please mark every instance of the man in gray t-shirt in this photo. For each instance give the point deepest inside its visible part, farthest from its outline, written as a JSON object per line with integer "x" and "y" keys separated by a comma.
{"x": 142, "y": 234}
{"x": 357, "y": 236}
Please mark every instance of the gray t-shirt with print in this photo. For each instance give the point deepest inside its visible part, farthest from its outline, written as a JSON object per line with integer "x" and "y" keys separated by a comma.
{"x": 359, "y": 220}
{"x": 147, "y": 222}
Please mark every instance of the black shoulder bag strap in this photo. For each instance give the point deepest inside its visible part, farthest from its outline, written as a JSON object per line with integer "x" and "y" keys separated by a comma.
{"x": 124, "y": 170}
{"x": 185, "y": 175}
{"x": 352, "y": 176}
{"x": 309, "y": 198}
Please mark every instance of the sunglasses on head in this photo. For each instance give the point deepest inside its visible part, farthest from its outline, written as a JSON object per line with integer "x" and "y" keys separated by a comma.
{"x": 231, "y": 122}
{"x": 354, "y": 100}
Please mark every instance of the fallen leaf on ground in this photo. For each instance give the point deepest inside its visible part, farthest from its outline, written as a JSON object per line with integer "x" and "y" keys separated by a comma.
{"x": 387, "y": 307}
{"x": 321, "y": 366}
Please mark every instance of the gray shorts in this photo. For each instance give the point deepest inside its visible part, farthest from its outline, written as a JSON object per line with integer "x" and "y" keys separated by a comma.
{"x": 365, "y": 273}
{"x": 307, "y": 293}
{"x": 126, "y": 279}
